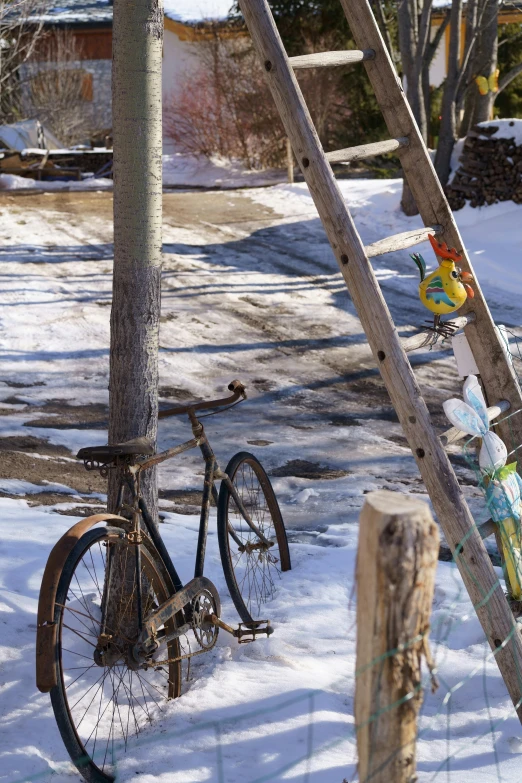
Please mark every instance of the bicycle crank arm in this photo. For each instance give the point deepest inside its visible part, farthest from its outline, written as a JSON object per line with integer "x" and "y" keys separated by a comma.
{"x": 169, "y": 609}
{"x": 183, "y": 629}
{"x": 252, "y": 630}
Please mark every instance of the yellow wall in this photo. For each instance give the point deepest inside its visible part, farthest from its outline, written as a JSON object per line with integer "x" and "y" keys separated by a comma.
{"x": 186, "y": 32}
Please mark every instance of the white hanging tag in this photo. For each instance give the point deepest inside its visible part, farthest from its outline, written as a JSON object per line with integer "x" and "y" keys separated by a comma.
{"x": 466, "y": 364}
{"x": 504, "y": 341}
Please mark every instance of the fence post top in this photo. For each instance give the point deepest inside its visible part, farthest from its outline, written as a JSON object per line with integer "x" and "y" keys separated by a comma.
{"x": 391, "y": 503}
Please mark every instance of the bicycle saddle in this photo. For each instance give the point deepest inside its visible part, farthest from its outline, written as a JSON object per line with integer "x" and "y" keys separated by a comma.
{"x": 137, "y": 447}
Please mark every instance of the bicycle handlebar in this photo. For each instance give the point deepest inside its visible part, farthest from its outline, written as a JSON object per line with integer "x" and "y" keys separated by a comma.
{"x": 235, "y": 386}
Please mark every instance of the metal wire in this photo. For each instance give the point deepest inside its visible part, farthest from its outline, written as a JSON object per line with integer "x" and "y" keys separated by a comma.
{"x": 444, "y": 627}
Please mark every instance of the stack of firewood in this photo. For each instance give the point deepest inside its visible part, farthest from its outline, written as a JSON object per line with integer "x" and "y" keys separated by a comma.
{"x": 490, "y": 170}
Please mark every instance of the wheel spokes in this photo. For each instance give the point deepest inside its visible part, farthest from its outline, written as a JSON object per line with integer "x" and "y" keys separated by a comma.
{"x": 254, "y": 565}
{"x": 108, "y": 697}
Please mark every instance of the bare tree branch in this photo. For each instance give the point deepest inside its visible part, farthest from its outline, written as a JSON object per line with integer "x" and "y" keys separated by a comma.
{"x": 21, "y": 31}
{"x": 474, "y": 28}
{"x": 510, "y": 39}
{"x": 508, "y": 77}
{"x": 448, "y": 126}
{"x": 385, "y": 32}
{"x": 424, "y": 30}
{"x": 432, "y": 46}
{"x": 59, "y": 92}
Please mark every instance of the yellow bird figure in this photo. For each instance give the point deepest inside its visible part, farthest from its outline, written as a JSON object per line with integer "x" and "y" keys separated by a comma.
{"x": 446, "y": 289}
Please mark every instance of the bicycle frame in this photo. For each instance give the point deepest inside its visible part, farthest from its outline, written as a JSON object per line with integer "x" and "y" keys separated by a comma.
{"x": 135, "y": 604}
{"x": 212, "y": 473}
{"x": 182, "y": 593}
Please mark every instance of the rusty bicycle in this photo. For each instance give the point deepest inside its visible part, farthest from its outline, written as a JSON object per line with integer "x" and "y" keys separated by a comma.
{"x": 116, "y": 624}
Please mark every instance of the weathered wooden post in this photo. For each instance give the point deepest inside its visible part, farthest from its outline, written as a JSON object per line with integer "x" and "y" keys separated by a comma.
{"x": 396, "y": 563}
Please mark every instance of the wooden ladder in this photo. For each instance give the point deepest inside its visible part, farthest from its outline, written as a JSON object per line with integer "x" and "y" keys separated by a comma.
{"x": 499, "y": 380}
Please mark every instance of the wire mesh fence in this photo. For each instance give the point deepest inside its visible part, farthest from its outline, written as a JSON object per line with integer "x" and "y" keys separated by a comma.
{"x": 309, "y": 758}
{"x": 463, "y": 728}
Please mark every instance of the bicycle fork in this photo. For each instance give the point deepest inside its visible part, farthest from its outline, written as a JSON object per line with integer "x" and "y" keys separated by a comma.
{"x": 213, "y": 472}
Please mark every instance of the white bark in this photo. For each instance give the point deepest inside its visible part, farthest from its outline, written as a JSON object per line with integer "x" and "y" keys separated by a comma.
{"x": 137, "y": 62}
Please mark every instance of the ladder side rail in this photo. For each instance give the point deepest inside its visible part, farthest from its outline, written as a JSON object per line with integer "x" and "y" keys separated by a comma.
{"x": 498, "y": 376}
{"x": 449, "y": 503}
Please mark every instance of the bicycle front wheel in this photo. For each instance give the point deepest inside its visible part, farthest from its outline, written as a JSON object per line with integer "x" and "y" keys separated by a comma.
{"x": 103, "y": 698}
{"x": 252, "y": 569}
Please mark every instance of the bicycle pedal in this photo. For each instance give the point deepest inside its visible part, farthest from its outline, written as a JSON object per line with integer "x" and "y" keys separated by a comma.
{"x": 248, "y": 632}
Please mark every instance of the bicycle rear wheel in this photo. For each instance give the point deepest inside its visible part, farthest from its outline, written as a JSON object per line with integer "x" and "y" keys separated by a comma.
{"x": 102, "y": 697}
{"x": 251, "y": 569}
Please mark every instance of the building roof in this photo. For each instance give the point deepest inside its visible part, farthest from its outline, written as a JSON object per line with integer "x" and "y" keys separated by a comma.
{"x": 94, "y": 13}
{"x": 514, "y": 6}
{"x": 193, "y": 11}
{"x": 75, "y": 12}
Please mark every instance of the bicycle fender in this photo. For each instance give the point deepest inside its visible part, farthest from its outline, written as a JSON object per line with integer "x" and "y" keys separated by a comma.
{"x": 46, "y": 676}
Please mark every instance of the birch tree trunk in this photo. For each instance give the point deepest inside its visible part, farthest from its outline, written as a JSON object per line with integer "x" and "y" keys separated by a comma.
{"x": 485, "y": 62}
{"x": 467, "y": 87}
{"x": 136, "y": 101}
{"x": 414, "y": 26}
{"x": 448, "y": 125}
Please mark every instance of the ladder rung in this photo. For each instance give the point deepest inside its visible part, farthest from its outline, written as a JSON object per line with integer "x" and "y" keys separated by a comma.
{"x": 366, "y": 150}
{"x": 454, "y": 434}
{"x": 487, "y": 529}
{"x": 401, "y": 241}
{"x": 425, "y": 339}
{"x": 331, "y": 59}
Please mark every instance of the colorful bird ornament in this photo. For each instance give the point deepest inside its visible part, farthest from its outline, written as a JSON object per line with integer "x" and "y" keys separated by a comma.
{"x": 446, "y": 289}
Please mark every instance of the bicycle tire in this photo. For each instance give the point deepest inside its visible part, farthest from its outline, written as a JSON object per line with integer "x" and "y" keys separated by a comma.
{"x": 250, "y": 574}
{"x": 80, "y": 747}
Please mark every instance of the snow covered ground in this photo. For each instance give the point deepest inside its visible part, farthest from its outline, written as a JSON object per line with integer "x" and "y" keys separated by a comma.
{"x": 15, "y": 182}
{"x": 181, "y": 170}
{"x": 250, "y": 290}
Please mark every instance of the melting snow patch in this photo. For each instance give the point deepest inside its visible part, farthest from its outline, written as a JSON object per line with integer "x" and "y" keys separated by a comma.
{"x": 19, "y": 487}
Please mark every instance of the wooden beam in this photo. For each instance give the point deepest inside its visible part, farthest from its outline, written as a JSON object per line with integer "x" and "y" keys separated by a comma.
{"x": 363, "y": 151}
{"x": 497, "y": 375}
{"x": 330, "y": 59}
{"x": 487, "y": 529}
{"x": 424, "y": 339}
{"x": 477, "y": 572}
{"x": 401, "y": 241}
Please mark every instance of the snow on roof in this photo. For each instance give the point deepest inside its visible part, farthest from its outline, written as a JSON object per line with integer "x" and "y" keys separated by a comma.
{"x": 63, "y": 12}
{"x": 93, "y": 12}
{"x": 197, "y": 10}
